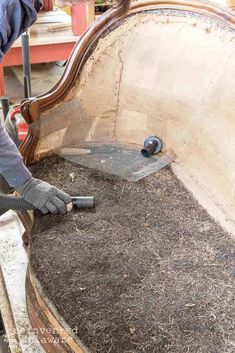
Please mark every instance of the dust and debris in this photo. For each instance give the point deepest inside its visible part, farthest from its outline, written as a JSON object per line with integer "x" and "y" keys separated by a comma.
{"x": 147, "y": 271}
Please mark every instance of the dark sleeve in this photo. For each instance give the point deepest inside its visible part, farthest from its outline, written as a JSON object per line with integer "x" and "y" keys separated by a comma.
{"x": 15, "y": 17}
{"x": 11, "y": 165}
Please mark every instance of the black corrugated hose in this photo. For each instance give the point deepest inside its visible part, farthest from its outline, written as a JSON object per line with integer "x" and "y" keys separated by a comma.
{"x": 11, "y": 202}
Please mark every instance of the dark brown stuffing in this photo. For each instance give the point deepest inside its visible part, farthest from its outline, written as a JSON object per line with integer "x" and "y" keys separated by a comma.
{"x": 148, "y": 271}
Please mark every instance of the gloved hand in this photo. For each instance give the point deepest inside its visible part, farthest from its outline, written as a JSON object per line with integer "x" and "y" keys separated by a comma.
{"x": 45, "y": 197}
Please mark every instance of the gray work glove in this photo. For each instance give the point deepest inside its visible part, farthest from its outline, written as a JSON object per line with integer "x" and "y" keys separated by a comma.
{"x": 45, "y": 197}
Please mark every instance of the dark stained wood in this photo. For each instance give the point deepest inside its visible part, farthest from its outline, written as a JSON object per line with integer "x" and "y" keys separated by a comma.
{"x": 52, "y": 335}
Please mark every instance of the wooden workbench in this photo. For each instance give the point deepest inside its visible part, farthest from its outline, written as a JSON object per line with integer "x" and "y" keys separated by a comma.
{"x": 45, "y": 46}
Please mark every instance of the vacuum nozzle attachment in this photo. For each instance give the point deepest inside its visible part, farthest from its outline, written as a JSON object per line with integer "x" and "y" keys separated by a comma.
{"x": 152, "y": 145}
{"x": 83, "y": 201}
{"x": 11, "y": 202}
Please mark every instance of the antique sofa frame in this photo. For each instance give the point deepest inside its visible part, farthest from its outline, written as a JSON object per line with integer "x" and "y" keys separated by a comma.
{"x": 42, "y": 312}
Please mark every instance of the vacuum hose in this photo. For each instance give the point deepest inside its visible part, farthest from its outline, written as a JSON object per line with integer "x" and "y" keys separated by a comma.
{"x": 10, "y": 202}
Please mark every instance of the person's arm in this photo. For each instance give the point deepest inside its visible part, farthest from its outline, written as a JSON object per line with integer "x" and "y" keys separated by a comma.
{"x": 15, "y": 17}
{"x": 43, "y": 196}
{"x": 11, "y": 164}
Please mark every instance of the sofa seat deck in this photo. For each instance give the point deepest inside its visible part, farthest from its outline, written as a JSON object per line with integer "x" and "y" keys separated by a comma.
{"x": 147, "y": 271}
